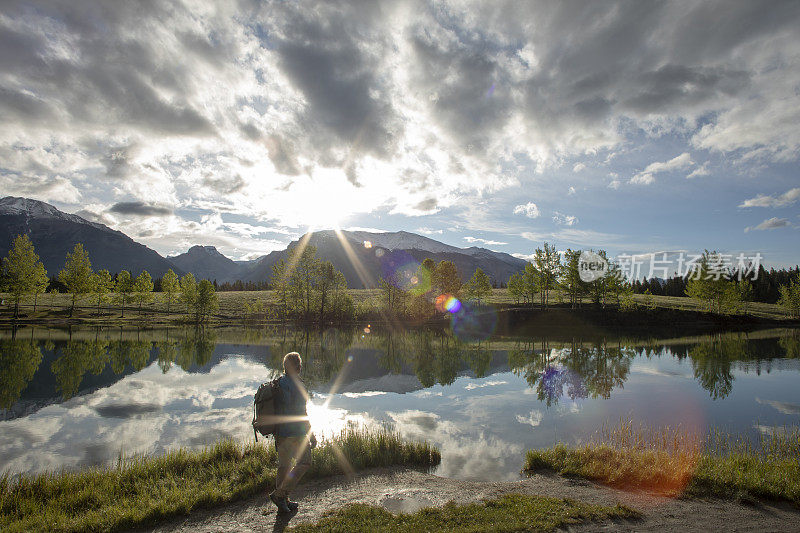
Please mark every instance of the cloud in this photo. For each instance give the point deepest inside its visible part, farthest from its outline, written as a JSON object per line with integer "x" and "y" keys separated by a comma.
{"x": 483, "y": 241}
{"x": 770, "y": 223}
{"x": 646, "y": 176}
{"x": 763, "y": 200}
{"x": 534, "y": 419}
{"x": 571, "y": 191}
{"x": 530, "y": 210}
{"x": 699, "y": 171}
{"x": 564, "y": 220}
{"x": 429, "y": 231}
{"x": 142, "y": 209}
{"x": 382, "y": 106}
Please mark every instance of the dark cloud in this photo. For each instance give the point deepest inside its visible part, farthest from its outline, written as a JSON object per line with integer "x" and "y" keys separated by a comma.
{"x": 224, "y": 185}
{"x": 429, "y": 204}
{"x": 250, "y": 131}
{"x": 138, "y": 208}
{"x": 324, "y": 53}
{"x": 283, "y": 155}
{"x": 110, "y": 73}
{"x": 117, "y": 161}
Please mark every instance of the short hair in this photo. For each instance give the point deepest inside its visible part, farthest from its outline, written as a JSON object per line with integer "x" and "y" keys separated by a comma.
{"x": 293, "y": 358}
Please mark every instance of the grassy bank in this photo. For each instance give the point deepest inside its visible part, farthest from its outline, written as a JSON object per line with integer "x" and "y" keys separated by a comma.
{"x": 233, "y": 305}
{"x": 512, "y": 512}
{"x": 672, "y": 462}
{"x": 143, "y": 490}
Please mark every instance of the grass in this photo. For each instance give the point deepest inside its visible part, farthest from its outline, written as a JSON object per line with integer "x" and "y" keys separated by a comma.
{"x": 512, "y": 512}
{"x": 674, "y": 462}
{"x": 144, "y": 490}
{"x": 232, "y": 306}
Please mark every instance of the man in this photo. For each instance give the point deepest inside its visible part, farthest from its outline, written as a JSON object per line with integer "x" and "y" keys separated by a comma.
{"x": 293, "y": 438}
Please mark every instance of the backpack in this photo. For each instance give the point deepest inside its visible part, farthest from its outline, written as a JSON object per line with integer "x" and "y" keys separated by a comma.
{"x": 265, "y": 407}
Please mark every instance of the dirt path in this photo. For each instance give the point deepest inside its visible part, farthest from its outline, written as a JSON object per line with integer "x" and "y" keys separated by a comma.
{"x": 408, "y": 490}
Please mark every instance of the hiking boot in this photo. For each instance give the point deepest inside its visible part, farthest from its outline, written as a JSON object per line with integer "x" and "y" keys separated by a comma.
{"x": 280, "y": 502}
{"x": 292, "y": 505}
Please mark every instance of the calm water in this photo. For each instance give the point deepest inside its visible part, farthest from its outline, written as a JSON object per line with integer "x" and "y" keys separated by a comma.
{"x": 82, "y": 397}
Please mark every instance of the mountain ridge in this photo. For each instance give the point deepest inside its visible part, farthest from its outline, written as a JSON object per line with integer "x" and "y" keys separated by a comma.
{"x": 362, "y": 256}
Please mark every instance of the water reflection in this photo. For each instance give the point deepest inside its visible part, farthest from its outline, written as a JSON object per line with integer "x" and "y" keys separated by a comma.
{"x": 76, "y": 397}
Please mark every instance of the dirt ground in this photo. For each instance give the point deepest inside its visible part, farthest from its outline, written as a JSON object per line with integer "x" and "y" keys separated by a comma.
{"x": 408, "y": 490}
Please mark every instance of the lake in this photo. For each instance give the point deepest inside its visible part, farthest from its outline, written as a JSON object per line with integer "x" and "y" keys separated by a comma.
{"x": 79, "y": 397}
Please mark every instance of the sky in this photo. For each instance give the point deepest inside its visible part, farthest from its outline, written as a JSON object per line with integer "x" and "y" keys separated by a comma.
{"x": 629, "y": 126}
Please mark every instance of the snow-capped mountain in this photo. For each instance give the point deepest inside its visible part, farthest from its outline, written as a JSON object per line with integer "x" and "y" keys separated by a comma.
{"x": 400, "y": 240}
{"x": 13, "y": 205}
{"x": 54, "y": 233}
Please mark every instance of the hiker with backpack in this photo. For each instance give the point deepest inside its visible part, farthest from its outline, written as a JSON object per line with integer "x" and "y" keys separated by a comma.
{"x": 293, "y": 436}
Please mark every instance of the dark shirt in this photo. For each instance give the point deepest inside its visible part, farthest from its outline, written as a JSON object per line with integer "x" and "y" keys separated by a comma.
{"x": 292, "y": 404}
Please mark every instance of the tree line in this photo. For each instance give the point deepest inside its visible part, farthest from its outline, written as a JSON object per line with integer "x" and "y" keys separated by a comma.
{"x": 23, "y": 275}
{"x": 548, "y": 272}
{"x": 765, "y": 284}
{"x": 422, "y": 293}
{"x": 722, "y": 290}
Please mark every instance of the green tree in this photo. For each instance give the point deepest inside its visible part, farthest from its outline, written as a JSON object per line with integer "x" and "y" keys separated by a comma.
{"x": 790, "y": 298}
{"x": 530, "y": 282}
{"x": 571, "y": 281}
{"x": 393, "y": 298}
{"x": 326, "y": 284}
{"x": 102, "y": 285}
{"x": 19, "y": 360}
{"x": 709, "y": 281}
{"x": 77, "y": 274}
{"x": 22, "y": 272}
{"x": 40, "y": 283}
{"x": 123, "y": 287}
{"x": 143, "y": 288}
{"x": 189, "y": 292}
{"x": 303, "y": 280}
{"x": 446, "y": 279}
{"x": 516, "y": 286}
{"x": 479, "y": 286}
{"x": 206, "y": 302}
{"x": 744, "y": 290}
{"x": 170, "y": 286}
{"x": 547, "y": 268}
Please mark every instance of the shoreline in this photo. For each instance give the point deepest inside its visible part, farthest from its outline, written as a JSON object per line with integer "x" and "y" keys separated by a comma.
{"x": 505, "y": 316}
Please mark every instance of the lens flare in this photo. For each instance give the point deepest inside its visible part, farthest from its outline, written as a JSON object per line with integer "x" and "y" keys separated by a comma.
{"x": 379, "y": 252}
{"x": 400, "y": 268}
{"x": 368, "y": 244}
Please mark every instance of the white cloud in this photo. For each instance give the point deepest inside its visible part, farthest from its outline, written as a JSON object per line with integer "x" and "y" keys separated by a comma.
{"x": 534, "y": 419}
{"x": 699, "y": 171}
{"x": 571, "y": 191}
{"x": 647, "y": 176}
{"x": 578, "y": 167}
{"x": 483, "y": 241}
{"x": 429, "y": 231}
{"x": 564, "y": 220}
{"x": 763, "y": 200}
{"x": 530, "y": 210}
{"x": 770, "y": 223}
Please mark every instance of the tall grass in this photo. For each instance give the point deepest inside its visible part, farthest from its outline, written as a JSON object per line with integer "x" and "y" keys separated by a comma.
{"x": 511, "y": 512}
{"x": 676, "y": 461}
{"x": 142, "y": 490}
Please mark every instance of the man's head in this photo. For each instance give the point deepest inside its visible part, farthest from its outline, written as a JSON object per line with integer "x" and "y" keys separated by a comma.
{"x": 292, "y": 363}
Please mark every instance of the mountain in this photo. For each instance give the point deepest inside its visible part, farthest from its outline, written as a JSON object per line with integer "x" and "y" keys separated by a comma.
{"x": 364, "y": 257}
{"x": 54, "y": 233}
{"x": 205, "y": 262}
